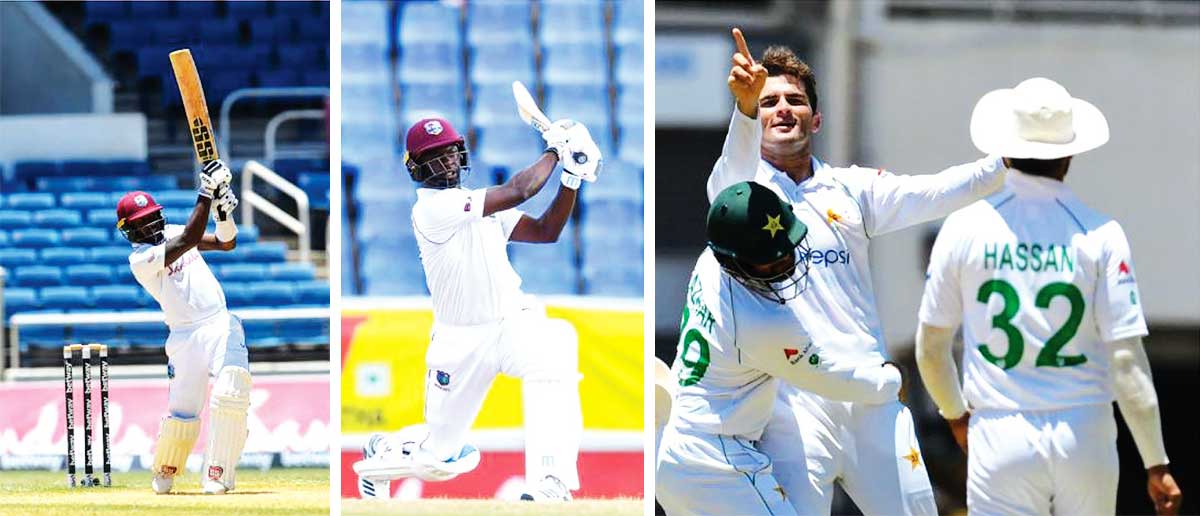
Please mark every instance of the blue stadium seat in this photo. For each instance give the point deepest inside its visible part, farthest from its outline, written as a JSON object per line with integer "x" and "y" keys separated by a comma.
{"x": 37, "y": 276}
{"x": 262, "y": 334}
{"x": 315, "y": 30}
{"x": 246, "y": 10}
{"x": 428, "y": 21}
{"x": 98, "y": 333}
{"x": 127, "y": 35}
{"x": 34, "y": 238}
{"x": 176, "y": 199}
{"x": 248, "y": 272}
{"x": 316, "y": 185}
{"x": 419, "y": 101}
{"x": 145, "y": 183}
{"x": 299, "y": 56}
{"x": 509, "y": 144}
{"x": 575, "y": 63}
{"x": 629, "y": 64}
{"x": 124, "y": 275}
{"x": 631, "y": 140}
{"x": 266, "y": 30}
{"x": 89, "y": 275}
{"x": 622, "y": 182}
{"x": 298, "y": 9}
{"x": 17, "y": 300}
{"x": 602, "y": 281}
{"x": 278, "y": 78}
{"x": 30, "y": 201}
{"x": 547, "y": 268}
{"x": 124, "y": 167}
{"x": 237, "y": 255}
{"x": 432, "y": 62}
{"x": 388, "y": 271}
{"x": 196, "y": 10}
{"x": 237, "y": 295}
{"x": 503, "y": 63}
{"x": 247, "y": 234}
{"x": 15, "y": 219}
{"x": 150, "y": 10}
{"x": 177, "y": 215}
{"x": 117, "y": 297}
{"x": 102, "y": 217}
{"x": 571, "y": 21}
{"x": 494, "y": 105}
{"x": 80, "y": 167}
{"x": 86, "y": 237}
{"x": 265, "y": 252}
{"x": 84, "y": 200}
{"x": 102, "y": 11}
{"x": 587, "y": 103}
{"x": 272, "y": 294}
{"x": 65, "y": 298}
{"x": 627, "y": 21}
{"x": 65, "y": 184}
{"x": 310, "y": 332}
{"x": 4, "y": 238}
{"x": 315, "y": 292}
{"x": 57, "y": 218}
{"x": 10, "y": 257}
{"x": 24, "y": 170}
{"x": 290, "y": 271}
{"x": 490, "y": 23}
{"x": 43, "y": 336}
{"x": 111, "y": 255}
{"x": 150, "y": 335}
{"x": 63, "y": 256}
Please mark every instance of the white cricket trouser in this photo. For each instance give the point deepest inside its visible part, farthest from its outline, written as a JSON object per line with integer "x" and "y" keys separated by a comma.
{"x": 462, "y": 361}
{"x": 700, "y": 473}
{"x": 1043, "y": 462}
{"x": 871, "y": 449}
{"x": 196, "y": 352}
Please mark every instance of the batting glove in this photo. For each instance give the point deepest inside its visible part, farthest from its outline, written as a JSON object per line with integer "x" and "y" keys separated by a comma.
{"x": 225, "y": 203}
{"x": 556, "y": 138}
{"x": 584, "y": 157}
{"x": 214, "y": 174}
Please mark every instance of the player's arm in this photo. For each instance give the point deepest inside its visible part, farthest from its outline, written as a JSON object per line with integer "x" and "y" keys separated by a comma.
{"x": 741, "y": 152}
{"x": 225, "y": 239}
{"x": 935, "y": 360}
{"x": 521, "y": 186}
{"x": 546, "y": 228}
{"x": 1133, "y": 386}
{"x": 581, "y": 163}
{"x": 839, "y": 378}
{"x": 214, "y": 174}
{"x": 895, "y": 202}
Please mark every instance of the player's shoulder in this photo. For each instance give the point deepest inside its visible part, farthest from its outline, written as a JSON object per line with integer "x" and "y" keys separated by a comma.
{"x": 435, "y": 200}
{"x": 853, "y": 176}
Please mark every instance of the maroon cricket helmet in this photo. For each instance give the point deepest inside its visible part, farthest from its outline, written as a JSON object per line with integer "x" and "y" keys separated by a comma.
{"x": 430, "y": 133}
{"x": 135, "y": 205}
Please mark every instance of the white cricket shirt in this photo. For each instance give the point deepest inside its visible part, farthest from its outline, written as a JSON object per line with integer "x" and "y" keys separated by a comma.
{"x": 465, "y": 256}
{"x": 1040, "y": 282}
{"x": 734, "y": 344}
{"x": 186, "y": 290}
{"x": 843, "y": 209}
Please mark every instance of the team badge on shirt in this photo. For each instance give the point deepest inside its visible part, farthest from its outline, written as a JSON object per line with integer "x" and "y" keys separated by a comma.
{"x": 443, "y": 379}
{"x": 433, "y": 127}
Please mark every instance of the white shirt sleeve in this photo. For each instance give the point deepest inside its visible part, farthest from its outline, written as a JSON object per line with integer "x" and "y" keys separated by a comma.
{"x": 739, "y": 156}
{"x": 509, "y": 219}
{"x": 437, "y": 217}
{"x": 822, "y": 371}
{"x": 941, "y": 304}
{"x": 148, "y": 260}
{"x": 892, "y": 202}
{"x": 1118, "y": 302}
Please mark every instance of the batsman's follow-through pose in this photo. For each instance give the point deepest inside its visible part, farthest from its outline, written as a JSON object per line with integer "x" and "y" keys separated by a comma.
{"x": 205, "y": 339}
{"x": 483, "y": 324}
{"x": 814, "y": 440}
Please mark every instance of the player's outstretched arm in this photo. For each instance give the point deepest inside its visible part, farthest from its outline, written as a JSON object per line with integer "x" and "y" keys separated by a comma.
{"x": 832, "y": 376}
{"x": 1133, "y": 386}
{"x": 521, "y": 186}
{"x": 213, "y": 175}
{"x": 895, "y": 202}
{"x": 225, "y": 239}
{"x": 741, "y": 152}
{"x": 935, "y": 360}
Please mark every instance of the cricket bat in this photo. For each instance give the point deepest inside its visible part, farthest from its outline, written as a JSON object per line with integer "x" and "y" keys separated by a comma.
{"x": 528, "y": 109}
{"x": 194, "y": 105}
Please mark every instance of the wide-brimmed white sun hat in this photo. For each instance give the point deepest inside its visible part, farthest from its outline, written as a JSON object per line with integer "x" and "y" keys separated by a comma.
{"x": 1038, "y": 119}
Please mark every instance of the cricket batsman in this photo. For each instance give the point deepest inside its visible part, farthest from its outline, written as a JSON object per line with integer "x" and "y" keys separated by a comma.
{"x": 483, "y": 324}
{"x": 1045, "y": 289}
{"x": 205, "y": 339}
{"x": 740, "y": 334}
{"x": 871, "y": 449}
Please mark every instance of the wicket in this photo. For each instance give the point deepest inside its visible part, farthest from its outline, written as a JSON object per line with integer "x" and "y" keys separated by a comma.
{"x": 85, "y": 352}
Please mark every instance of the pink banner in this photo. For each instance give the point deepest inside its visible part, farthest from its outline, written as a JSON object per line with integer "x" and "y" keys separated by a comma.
{"x": 289, "y": 416}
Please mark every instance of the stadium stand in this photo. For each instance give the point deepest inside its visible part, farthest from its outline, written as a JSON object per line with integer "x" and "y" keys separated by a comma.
{"x": 586, "y": 64}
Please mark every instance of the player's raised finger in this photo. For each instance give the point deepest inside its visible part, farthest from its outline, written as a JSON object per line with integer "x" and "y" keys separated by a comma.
{"x": 742, "y": 61}
{"x": 740, "y": 75}
{"x": 740, "y": 40}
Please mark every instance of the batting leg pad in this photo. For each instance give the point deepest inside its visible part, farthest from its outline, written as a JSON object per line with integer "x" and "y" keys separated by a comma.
{"x": 553, "y": 416}
{"x": 176, "y": 437}
{"x": 227, "y": 432}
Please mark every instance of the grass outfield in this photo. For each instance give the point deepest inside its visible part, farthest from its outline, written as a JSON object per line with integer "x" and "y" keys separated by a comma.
{"x": 278, "y": 491}
{"x": 441, "y": 507}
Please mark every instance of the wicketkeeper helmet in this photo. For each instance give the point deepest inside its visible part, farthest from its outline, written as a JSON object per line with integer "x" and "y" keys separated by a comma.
{"x": 750, "y": 227}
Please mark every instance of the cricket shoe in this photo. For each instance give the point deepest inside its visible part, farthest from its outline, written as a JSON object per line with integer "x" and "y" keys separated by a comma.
{"x": 368, "y": 488}
{"x": 213, "y": 487}
{"x": 413, "y": 461}
{"x": 161, "y": 484}
{"x": 549, "y": 489}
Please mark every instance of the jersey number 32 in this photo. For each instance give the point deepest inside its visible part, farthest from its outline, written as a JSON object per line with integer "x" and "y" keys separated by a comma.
{"x": 1049, "y": 355}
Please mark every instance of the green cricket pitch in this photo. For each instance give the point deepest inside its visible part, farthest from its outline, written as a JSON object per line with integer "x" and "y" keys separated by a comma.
{"x": 278, "y": 491}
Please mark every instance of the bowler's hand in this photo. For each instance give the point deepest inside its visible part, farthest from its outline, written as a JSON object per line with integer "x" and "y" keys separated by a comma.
{"x": 1163, "y": 490}
{"x": 746, "y": 78}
